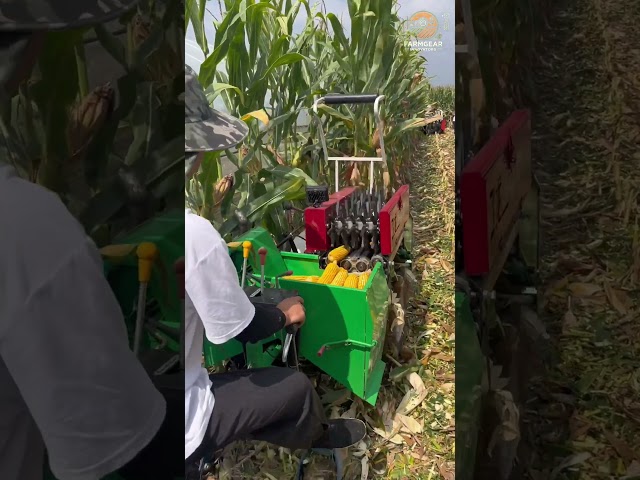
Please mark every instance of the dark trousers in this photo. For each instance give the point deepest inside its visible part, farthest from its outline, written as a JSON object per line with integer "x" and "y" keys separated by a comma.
{"x": 162, "y": 454}
{"x": 276, "y": 405}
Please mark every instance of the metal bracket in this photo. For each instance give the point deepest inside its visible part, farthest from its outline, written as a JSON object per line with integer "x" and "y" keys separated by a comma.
{"x": 346, "y": 343}
{"x": 371, "y": 160}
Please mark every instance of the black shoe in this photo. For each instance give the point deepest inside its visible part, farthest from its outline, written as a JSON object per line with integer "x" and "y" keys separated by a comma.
{"x": 341, "y": 433}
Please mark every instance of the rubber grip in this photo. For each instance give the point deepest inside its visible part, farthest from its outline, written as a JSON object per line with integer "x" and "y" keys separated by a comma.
{"x": 292, "y": 329}
{"x": 263, "y": 255}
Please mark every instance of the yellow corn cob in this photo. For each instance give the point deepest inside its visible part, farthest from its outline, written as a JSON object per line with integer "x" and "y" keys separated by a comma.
{"x": 362, "y": 281}
{"x": 302, "y": 278}
{"x": 351, "y": 281}
{"x": 329, "y": 274}
{"x": 340, "y": 278}
{"x": 338, "y": 254}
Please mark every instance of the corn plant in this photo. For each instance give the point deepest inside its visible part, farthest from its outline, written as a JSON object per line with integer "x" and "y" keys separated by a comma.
{"x": 113, "y": 154}
{"x": 269, "y": 75}
{"x": 498, "y": 81}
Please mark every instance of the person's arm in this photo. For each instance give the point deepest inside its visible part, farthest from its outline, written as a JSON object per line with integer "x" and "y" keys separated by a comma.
{"x": 67, "y": 351}
{"x": 211, "y": 283}
{"x": 268, "y": 319}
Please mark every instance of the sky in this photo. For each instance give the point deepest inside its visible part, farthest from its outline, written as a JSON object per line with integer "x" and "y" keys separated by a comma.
{"x": 440, "y": 67}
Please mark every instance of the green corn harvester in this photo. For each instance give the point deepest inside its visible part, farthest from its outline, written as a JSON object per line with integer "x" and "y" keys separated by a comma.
{"x": 345, "y": 328}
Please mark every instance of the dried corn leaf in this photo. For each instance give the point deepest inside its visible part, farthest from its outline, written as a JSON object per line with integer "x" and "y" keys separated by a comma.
{"x": 614, "y": 297}
{"x": 414, "y": 397}
{"x": 584, "y": 289}
{"x": 411, "y": 425}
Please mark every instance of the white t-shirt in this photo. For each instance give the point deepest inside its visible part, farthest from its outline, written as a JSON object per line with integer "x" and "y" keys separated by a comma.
{"x": 68, "y": 379}
{"x": 215, "y": 305}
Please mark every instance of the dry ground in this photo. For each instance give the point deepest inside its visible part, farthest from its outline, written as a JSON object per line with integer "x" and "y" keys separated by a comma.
{"x": 584, "y": 418}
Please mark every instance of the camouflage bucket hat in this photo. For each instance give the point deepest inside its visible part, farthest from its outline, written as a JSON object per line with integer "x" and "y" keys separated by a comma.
{"x": 20, "y": 18}
{"x": 34, "y": 15}
{"x": 206, "y": 129}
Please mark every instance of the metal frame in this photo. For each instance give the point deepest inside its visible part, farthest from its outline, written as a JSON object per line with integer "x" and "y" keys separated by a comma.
{"x": 336, "y": 160}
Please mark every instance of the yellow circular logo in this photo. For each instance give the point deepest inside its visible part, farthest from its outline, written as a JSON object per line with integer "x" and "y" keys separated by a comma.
{"x": 424, "y": 24}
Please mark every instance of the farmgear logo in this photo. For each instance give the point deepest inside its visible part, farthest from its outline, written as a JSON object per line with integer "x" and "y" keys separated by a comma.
{"x": 427, "y": 29}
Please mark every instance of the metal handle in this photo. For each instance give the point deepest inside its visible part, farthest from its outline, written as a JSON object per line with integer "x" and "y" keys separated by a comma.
{"x": 344, "y": 99}
{"x": 288, "y": 273}
{"x": 292, "y": 329}
{"x": 350, "y": 99}
{"x": 291, "y": 335}
{"x": 147, "y": 253}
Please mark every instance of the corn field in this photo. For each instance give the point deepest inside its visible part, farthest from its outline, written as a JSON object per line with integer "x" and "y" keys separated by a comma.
{"x": 268, "y": 75}
{"x": 113, "y": 152}
{"x": 495, "y": 80}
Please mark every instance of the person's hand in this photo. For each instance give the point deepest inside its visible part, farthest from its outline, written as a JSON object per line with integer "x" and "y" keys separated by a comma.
{"x": 293, "y": 308}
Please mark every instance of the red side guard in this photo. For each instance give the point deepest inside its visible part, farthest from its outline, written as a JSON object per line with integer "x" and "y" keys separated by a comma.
{"x": 316, "y": 220}
{"x": 492, "y": 188}
{"x": 393, "y": 217}
{"x": 443, "y": 125}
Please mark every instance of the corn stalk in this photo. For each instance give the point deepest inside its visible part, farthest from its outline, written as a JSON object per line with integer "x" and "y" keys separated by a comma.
{"x": 490, "y": 86}
{"x": 113, "y": 165}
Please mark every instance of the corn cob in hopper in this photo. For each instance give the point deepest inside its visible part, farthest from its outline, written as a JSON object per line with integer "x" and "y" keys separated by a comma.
{"x": 335, "y": 276}
{"x": 302, "y": 278}
{"x": 338, "y": 254}
{"x": 329, "y": 274}
{"x": 351, "y": 281}
{"x": 340, "y": 277}
{"x": 362, "y": 281}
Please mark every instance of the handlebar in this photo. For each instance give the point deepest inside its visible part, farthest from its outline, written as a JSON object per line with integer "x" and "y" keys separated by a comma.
{"x": 341, "y": 99}
{"x": 349, "y": 99}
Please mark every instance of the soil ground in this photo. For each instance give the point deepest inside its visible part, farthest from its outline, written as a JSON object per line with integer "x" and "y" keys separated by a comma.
{"x": 582, "y": 420}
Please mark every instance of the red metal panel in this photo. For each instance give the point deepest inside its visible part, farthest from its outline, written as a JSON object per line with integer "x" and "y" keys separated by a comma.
{"x": 393, "y": 217}
{"x": 317, "y": 218}
{"x": 315, "y": 221}
{"x": 342, "y": 194}
{"x": 492, "y": 188}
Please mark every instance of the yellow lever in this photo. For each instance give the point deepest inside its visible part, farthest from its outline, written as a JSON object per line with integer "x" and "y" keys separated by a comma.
{"x": 246, "y": 248}
{"x": 147, "y": 253}
{"x": 117, "y": 252}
